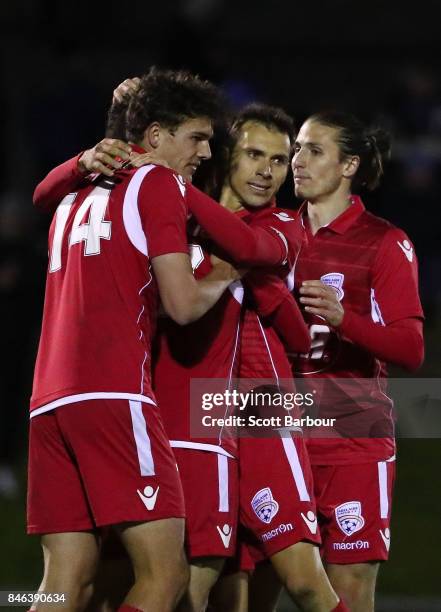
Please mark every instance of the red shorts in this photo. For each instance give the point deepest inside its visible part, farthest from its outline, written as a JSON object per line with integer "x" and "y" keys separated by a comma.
{"x": 353, "y": 508}
{"x": 210, "y": 483}
{"x": 100, "y": 462}
{"x": 277, "y": 505}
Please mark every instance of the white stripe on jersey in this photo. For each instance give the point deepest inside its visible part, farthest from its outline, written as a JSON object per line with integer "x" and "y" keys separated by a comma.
{"x": 131, "y": 216}
{"x": 211, "y": 448}
{"x": 142, "y": 440}
{"x": 268, "y": 349}
{"x": 222, "y": 475}
{"x": 375, "y": 310}
{"x": 82, "y": 397}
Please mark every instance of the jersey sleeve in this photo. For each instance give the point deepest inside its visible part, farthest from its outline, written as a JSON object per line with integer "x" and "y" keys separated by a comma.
{"x": 163, "y": 212}
{"x": 60, "y": 181}
{"x": 251, "y": 246}
{"x": 394, "y": 293}
{"x": 287, "y": 225}
{"x": 274, "y": 300}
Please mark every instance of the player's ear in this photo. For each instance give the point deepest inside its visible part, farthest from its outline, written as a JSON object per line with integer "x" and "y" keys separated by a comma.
{"x": 350, "y": 166}
{"x": 152, "y": 136}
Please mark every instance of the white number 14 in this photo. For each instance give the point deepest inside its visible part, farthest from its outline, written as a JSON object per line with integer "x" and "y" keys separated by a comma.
{"x": 90, "y": 233}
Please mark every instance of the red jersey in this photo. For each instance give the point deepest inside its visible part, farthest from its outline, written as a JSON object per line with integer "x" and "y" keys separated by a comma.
{"x": 372, "y": 266}
{"x": 208, "y": 348}
{"x": 101, "y": 297}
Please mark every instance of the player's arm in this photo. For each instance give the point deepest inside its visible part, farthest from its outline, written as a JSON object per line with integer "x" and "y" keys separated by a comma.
{"x": 105, "y": 157}
{"x": 163, "y": 213}
{"x": 399, "y": 342}
{"x": 184, "y": 298}
{"x": 275, "y": 302}
{"x": 247, "y": 246}
{"x": 397, "y": 337}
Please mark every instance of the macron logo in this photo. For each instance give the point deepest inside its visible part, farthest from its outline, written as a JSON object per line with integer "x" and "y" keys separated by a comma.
{"x": 311, "y": 521}
{"x": 407, "y": 249}
{"x": 386, "y": 537}
{"x": 283, "y": 216}
{"x": 225, "y": 534}
{"x": 148, "y": 497}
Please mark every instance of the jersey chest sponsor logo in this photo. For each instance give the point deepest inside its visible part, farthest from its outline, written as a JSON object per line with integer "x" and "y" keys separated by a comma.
{"x": 335, "y": 280}
{"x": 349, "y": 518}
{"x": 264, "y": 506}
{"x": 148, "y": 497}
{"x": 407, "y": 249}
{"x": 225, "y": 534}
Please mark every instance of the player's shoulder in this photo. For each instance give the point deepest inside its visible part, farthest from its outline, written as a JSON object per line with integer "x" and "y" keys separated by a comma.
{"x": 393, "y": 242}
{"x": 383, "y": 229}
{"x": 154, "y": 174}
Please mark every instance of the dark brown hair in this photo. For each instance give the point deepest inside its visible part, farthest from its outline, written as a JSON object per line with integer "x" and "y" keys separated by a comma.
{"x": 371, "y": 144}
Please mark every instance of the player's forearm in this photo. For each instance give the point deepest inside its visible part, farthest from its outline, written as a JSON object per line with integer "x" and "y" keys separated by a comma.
{"x": 244, "y": 244}
{"x": 400, "y": 343}
{"x": 287, "y": 320}
{"x": 201, "y": 297}
{"x": 59, "y": 182}
{"x": 274, "y": 300}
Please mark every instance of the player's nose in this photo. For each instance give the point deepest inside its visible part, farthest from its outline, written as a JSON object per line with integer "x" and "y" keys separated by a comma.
{"x": 204, "y": 150}
{"x": 265, "y": 170}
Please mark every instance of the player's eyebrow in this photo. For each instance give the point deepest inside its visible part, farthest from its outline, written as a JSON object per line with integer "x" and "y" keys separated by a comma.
{"x": 254, "y": 150}
{"x": 310, "y": 144}
{"x": 204, "y": 135}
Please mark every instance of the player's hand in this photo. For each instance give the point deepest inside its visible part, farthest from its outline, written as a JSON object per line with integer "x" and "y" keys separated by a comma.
{"x": 322, "y": 300}
{"x": 226, "y": 269}
{"x": 144, "y": 159}
{"x": 126, "y": 88}
{"x": 105, "y": 157}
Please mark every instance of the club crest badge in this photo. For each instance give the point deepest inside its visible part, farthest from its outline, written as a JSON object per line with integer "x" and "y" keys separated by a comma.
{"x": 264, "y": 505}
{"x": 335, "y": 280}
{"x": 349, "y": 518}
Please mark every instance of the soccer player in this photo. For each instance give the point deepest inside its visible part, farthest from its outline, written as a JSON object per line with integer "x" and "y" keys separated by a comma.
{"x": 276, "y": 491}
{"x": 259, "y": 155}
{"x": 271, "y": 241}
{"x": 98, "y": 454}
{"x": 357, "y": 278}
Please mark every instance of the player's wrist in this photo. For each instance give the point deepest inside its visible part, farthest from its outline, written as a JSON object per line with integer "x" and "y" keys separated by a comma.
{"x": 82, "y": 167}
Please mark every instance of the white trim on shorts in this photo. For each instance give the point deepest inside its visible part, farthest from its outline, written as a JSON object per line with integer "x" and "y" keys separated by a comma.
{"x": 383, "y": 488}
{"x": 82, "y": 397}
{"x": 296, "y": 468}
{"x": 223, "y": 483}
{"x": 142, "y": 440}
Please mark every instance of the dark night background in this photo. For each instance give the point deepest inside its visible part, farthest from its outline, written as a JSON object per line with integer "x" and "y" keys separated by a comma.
{"x": 60, "y": 62}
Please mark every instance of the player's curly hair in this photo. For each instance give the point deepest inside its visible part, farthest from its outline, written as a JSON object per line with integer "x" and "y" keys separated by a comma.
{"x": 371, "y": 144}
{"x": 168, "y": 97}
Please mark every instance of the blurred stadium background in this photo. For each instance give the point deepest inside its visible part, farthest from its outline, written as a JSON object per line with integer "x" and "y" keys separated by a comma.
{"x": 59, "y": 64}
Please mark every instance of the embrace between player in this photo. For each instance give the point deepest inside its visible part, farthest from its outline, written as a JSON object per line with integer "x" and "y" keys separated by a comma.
{"x": 263, "y": 255}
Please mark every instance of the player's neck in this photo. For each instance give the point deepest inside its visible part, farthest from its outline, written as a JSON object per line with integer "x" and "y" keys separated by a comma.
{"x": 321, "y": 212}
{"x": 230, "y": 200}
